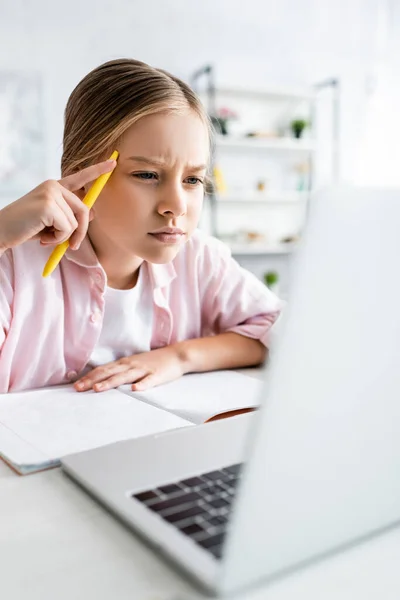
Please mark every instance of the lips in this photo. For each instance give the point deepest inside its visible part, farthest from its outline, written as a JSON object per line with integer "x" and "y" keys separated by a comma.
{"x": 168, "y": 235}
{"x": 173, "y": 230}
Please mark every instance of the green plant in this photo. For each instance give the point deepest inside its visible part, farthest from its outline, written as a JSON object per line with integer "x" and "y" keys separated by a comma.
{"x": 271, "y": 278}
{"x": 298, "y": 126}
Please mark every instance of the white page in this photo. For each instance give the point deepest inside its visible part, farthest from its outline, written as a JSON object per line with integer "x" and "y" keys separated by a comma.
{"x": 59, "y": 421}
{"x": 198, "y": 397}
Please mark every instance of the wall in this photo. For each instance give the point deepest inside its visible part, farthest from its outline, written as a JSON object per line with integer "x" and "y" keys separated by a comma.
{"x": 260, "y": 41}
{"x": 257, "y": 42}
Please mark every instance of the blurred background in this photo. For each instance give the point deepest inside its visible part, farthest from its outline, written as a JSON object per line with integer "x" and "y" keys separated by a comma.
{"x": 302, "y": 93}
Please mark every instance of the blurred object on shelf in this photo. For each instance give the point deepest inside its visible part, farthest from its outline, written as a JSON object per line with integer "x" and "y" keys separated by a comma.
{"x": 244, "y": 236}
{"x": 222, "y": 118}
{"x": 219, "y": 180}
{"x": 271, "y": 280}
{"x": 254, "y": 237}
{"x": 261, "y": 185}
{"x": 302, "y": 169}
{"x": 298, "y": 126}
{"x": 263, "y": 134}
{"x": 290, "y": 239}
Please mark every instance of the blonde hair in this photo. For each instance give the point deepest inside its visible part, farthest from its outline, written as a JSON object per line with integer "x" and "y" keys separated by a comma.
{"x": 113, "y": 97}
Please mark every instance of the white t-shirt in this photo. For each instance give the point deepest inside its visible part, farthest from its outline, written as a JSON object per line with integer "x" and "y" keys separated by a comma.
{"x": 127, "y": 322}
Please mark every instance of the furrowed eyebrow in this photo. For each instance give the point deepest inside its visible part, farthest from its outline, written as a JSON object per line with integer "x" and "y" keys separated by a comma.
{"x": 160, "y": 163}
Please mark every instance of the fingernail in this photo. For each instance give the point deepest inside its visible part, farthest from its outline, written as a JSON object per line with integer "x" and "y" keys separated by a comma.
{"x": 98, "y": 386}
{"x": 80, "y": 385}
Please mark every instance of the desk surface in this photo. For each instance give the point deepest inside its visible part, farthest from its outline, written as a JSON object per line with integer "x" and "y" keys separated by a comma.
{"x": 56, "y": 543}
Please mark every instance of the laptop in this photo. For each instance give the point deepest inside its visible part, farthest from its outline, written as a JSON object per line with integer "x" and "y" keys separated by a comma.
{"x": 244, "y": 500}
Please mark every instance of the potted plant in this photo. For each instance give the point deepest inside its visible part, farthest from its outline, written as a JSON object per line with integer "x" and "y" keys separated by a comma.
{"x": 271, "y": 279}
{"x": 222, "y": 118}
{"x": 298, "y": 126}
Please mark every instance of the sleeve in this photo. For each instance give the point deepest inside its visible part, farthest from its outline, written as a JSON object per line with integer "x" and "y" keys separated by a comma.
{"x": 6, "y": 294}
{"x": 233, "y": 299}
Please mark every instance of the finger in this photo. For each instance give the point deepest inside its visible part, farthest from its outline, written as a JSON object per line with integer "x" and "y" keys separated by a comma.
{"x": 97, "y": 375}
{"x": 82, "y": 216}
{"x": 59, "y": 227}
{"x": 78, "y": 180}
{"x": 119, "y": 379}
{"x": 61, "y": 198}
{"x": 147, "y": 382}
{"x": 47, "y": 238}
{"x": 64, "y": 201}
{"x": 78, "y": 214}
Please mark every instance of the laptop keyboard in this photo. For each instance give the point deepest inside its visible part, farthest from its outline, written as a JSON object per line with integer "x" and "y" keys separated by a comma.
{"x": 198, "y": 506}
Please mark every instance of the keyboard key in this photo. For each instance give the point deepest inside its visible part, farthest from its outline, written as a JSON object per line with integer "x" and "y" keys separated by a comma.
{"x": 146, "y": 496}
{"x": 188, "y": 513}
{"x": 216, "y": 521}
{"x": 217, "y": 503}
{"x": 192, "y": 529}
{"x": 234, "y": 469}
{"x": 213, "y": 490}
{"x": 175, "y": 501}
{"x": 170, "y": 489}
{"x": 213, "y": 540}
{"x": 192, "y": 481}
{"x": 213, "y": 475}
{"x": 228, "y": 486}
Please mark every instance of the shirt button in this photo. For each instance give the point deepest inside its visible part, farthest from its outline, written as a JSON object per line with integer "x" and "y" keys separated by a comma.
{"x": 95, "y": 316}
{"x": 71, "y": 375}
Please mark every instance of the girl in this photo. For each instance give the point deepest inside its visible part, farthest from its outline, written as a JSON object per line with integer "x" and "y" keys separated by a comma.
{"x": 141, "y": 296}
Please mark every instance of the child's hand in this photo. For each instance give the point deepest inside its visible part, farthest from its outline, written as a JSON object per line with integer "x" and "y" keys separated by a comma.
{"x": 144, "y": 371}
{"x": 50, "y": 212}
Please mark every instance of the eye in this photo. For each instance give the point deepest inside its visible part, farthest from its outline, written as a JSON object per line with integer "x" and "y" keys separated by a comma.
{"x": 193, "y": 180}
{"x": 145, "y": 175}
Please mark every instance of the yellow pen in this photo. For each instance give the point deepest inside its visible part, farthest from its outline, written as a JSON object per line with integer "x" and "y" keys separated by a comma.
{"x": 89, "y": 200}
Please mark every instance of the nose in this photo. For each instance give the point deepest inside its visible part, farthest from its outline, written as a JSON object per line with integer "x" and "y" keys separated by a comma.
{"x": 173, "y": 201}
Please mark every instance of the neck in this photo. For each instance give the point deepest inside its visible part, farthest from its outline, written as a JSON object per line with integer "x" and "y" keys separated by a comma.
{"x": 122, "y": 269}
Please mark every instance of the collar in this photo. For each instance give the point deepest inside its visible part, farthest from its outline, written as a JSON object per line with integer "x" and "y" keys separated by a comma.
{"x": 85, "y": 256}
{"x": 161, "y": 275}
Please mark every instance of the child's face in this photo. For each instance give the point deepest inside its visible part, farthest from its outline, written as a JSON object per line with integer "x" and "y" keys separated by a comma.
{"x": 156, "y": 185}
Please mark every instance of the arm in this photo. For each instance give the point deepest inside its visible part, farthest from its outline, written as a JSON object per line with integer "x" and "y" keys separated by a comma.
{"x": 233, "y": 299}
{"x": 224, "y": 351}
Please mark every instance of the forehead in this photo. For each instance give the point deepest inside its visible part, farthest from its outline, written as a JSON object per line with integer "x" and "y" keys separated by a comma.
{"x": 170, "y": 137}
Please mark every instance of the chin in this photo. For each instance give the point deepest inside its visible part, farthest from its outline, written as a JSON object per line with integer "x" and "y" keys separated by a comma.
{"x": 162, "y": 256}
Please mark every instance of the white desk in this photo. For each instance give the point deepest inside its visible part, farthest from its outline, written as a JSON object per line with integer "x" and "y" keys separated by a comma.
{"x": 56, "y": 543}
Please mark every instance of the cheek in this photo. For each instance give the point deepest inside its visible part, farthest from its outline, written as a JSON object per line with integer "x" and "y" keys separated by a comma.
{"x": 195, "y": 206}
{"x": 122, "y": 206}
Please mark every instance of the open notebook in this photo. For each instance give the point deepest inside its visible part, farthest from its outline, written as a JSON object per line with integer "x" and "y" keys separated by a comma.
{"x": 39, "y": 427}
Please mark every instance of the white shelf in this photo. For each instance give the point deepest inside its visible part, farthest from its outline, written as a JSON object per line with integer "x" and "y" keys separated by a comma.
{"x": 275, "y": 92}
{"x": 276, "y": 198}
{"x": 270, "y": 144}
{"x": 253, "y": 249}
